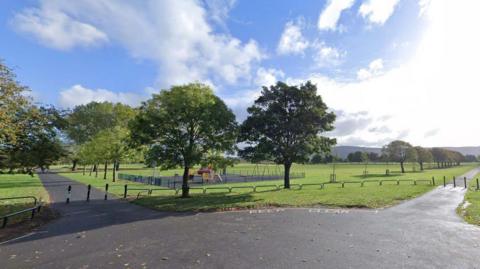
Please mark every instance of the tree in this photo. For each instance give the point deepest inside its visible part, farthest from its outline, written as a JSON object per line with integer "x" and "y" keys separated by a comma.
{"x": 469, "y": 158}
{"x": 284, "y": 125}
{"x": 86, "y": 121}
{"x": 13, "y": 104}
{"x": 37, "y": 145}
{"x": 423, "y": 156}
{"x": 401, "y": 152}
{"x": 181, "y": 125}
{"x": 355, "y": 157}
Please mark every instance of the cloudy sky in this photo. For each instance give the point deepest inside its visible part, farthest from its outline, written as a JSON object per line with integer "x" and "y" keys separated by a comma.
{"x": 390, "y": 69}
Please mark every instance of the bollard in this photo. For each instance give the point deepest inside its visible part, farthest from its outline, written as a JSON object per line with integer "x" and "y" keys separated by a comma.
{"x": 398, "y": 182}
{"x": 343, "y": 184}
{"x": 478, "y": 187}
{"x": 106, "y": 192}
{"x": 125, "y": 191}
{"x": 454, "y": 182}
{"x": 465, "y": 182}
{"x": 89, "y": 188}
{"x": 33, "y": 214}
{"x": 69, "y": 193}
{"x": 433, "y": 181}
{"x": 444, "y": 181}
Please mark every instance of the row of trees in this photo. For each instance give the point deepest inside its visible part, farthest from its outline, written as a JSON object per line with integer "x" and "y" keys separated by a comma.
{"x": 401, "y": 152}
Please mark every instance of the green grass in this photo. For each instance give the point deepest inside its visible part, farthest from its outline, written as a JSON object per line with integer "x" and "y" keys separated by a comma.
{"x": 471, "y": 213}
{"x": 371, "y": 196}
{"x": 19, "y": 185}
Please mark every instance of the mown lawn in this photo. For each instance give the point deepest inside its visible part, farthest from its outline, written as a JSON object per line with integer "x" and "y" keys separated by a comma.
{"x": 20, "y": 185}
{"x": 472, "y": 199}
{"x": 371, "y": 195}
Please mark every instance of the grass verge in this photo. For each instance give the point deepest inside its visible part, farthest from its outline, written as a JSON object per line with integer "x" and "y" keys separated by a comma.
{"x": 470, "y": 208}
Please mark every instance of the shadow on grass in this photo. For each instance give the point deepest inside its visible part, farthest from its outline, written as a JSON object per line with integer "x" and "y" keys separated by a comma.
{"x": 199, "y": 202}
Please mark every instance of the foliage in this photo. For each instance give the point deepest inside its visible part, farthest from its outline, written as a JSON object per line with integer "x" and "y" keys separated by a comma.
{"x": 284, "y": 126}
{"x": 423, "y": 156}
{"x": 86, "y": 121}
{"x": 401, "y": 152}
{"x": 28, "y": 134}
{"x": 182, "y": 125}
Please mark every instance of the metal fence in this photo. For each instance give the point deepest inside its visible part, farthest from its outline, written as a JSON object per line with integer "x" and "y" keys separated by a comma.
{"x": 176, "y": 181}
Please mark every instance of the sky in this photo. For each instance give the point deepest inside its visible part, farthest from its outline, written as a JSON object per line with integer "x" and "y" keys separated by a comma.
{"x": 390, "y": 69}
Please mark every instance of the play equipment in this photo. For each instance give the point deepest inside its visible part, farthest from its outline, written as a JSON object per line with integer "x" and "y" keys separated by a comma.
{"x": 208, "y": 174}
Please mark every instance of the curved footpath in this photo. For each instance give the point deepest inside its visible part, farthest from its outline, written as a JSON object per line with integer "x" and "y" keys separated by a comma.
{"x": 421, "y": 233}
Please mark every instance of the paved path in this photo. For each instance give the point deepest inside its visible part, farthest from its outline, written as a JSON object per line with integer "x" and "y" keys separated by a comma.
{"x": 421, "y": 233}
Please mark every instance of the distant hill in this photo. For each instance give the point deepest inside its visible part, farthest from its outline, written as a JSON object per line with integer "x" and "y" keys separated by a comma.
{"x": 343, "y": 151}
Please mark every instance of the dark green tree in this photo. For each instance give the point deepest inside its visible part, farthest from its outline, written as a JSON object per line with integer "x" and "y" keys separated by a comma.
{"x": 284, "y": 126}
{"x": 181, "y": 125}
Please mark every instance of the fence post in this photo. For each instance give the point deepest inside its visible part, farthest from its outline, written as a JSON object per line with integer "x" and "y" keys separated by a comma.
{"x": 5, "y": 220}
{"x": 89, "y": 188}
{"x": 33, "y": 214}
{"x": 465, "y": 182}
{"x": 444, "y": 181}
{"x": 433, "y": 181}
{"x": 454, "y": 182}
{"x": 69, "y": 192}
{"x": 478, "y": 187}
{"x": 125, "y": 191}
{"x": 106, "y": 191}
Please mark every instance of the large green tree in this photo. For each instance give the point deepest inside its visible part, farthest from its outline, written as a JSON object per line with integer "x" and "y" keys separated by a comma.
{"x": 401, "y": 152}
{"x": 181, "y": 125}
{"x": 86, "y": 121}
{"x": 13, "y": 104}
{"x": 284, "y": 126}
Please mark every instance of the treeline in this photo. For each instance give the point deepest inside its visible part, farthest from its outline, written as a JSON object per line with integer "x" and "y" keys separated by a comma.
{"x": 401, "y": 152}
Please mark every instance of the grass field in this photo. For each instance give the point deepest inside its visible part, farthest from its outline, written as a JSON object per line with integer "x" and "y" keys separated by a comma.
{"x": 371, "y": 196}
{"x": 472, "y": 201}
{"x": 20, "y": 185}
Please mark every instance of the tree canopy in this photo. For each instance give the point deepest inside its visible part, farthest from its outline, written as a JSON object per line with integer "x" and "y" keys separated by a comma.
{"x": 181, "y": 125}
{"x": 401, "y": 152}
{"x": 284, "y": 126}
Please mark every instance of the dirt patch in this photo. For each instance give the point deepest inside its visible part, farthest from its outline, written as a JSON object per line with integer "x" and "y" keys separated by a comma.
{"x": 26, "y": 225}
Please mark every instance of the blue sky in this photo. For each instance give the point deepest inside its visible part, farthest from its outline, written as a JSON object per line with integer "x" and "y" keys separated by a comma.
{"x": 73, "y": 52}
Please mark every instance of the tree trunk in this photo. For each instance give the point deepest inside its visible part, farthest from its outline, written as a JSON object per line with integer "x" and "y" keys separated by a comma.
{"x": 105, "y": 170}
{"x": 91, "y": 170}
{"x": 84, "y": 169}
{"x": 421, "y": 166}
{"x": 286, "y": 176}
{"x": 402, "y": 167}
{"x": 185, "y": 188}
{"x": 114, "y": 170}
{"x": 117, "y": 167}
{"x": 96, "y": 170}
{"x": 74, "y": 165}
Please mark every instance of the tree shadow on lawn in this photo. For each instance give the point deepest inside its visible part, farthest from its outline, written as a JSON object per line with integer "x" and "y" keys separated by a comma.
{"x": 209, "y": 202}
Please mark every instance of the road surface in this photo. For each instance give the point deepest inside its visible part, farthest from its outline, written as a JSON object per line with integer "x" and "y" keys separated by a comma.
{"x": 421, "y": 233}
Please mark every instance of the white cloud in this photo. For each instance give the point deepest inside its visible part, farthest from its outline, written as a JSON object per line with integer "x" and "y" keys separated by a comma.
{"x": 330, "y": 15}
{"x": 292, "y": 40}
{"x": 78, "y": 95}
{"x": 219, "y": 10}
{"x": 174, "y": 34}
{"x": 437, "y": 89}
{"x": 374, "y": 69}
{"x": 56, "y": 29}
{"x": 377, "y": 11}
{"x": 267, "y": 77}
{"x": 325, "y": 55}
